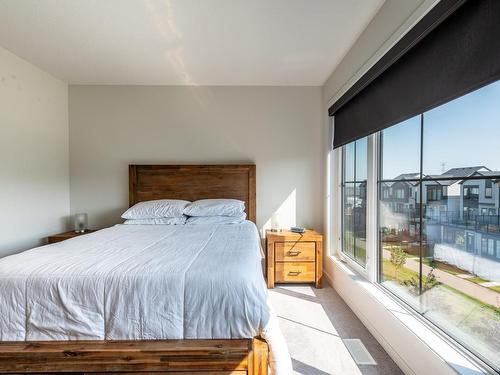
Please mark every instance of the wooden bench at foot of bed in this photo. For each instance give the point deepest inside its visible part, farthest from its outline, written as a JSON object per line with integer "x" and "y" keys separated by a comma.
{"x": 203, "y": 357}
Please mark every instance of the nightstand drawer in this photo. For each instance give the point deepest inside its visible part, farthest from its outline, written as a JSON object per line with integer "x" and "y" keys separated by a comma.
{"x": 295, "y": 251}
{"x": 295, "y": 272}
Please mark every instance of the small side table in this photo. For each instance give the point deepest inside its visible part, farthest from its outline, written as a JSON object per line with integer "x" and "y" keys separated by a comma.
{"x": 294, "y": 257}
{"x": 66, "y": 235}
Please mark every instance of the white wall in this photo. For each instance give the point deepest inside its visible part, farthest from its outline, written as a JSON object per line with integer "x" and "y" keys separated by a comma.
{"x": 34, "y": 168}
{"x": 277, "y": 128}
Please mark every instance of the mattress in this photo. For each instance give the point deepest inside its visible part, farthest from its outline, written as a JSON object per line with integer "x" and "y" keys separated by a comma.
{"x": 142, "y": 282}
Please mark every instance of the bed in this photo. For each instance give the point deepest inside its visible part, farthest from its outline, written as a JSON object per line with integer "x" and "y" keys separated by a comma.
{"x": 141, "y": 299}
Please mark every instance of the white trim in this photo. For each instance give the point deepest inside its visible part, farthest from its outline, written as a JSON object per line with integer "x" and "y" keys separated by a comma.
{"x": 337, "y": 219}
{"x": 336, "y": 204}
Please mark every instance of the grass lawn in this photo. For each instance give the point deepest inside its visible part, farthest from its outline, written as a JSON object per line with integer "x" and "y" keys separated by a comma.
{"x": 407, "y": 274}
{"x": 403, "y": 274}
{"x": 477, "y": 280}
{"x": 443, "y": 266}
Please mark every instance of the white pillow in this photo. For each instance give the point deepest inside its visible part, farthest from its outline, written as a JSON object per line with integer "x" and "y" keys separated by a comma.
{"x": 215, "y": 207}
{"x": 195, "y": 220}
{"x": 158, "y": 221}
{"x": 156, "y": 209}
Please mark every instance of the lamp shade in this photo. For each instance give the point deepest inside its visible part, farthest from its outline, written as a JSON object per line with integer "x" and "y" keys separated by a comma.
{"x": 81, "y": 222}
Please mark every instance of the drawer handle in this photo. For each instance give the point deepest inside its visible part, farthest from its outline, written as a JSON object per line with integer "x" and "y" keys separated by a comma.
{"x": 294, "y": 253}
{"x": 294, "y": 273}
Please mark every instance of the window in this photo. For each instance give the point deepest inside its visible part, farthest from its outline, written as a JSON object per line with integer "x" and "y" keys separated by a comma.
{"x": 471, "y": 243}
{"x": 484, "y": 246}
{"x": 488, "y": 189}
{"x": 447, "y": 229}
{"x": 385, "y": 192}
{"x": 400, "y": 193}
{"x": 491, "y": 246}
{"x": 432, "y": 246}
{"x": 354, "y": 200}
{"x": 434, "y": 193}
{"x": 471, "y": 192}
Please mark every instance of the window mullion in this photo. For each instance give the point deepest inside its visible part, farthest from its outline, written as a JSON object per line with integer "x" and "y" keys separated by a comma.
{"x": 372, "y": 207}
{"x": 421, "y": 218}
{"x": 354, "y": 205}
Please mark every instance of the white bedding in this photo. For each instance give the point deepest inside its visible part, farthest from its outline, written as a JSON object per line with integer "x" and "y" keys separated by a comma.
{"x": 142, "y": 282}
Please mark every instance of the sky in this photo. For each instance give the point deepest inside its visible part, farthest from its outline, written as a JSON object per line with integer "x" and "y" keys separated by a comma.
{"x": 462, "y": 133}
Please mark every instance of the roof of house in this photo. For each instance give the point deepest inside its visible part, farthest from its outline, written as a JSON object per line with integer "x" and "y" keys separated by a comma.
{"x": 491, "y": 173}
{"x": 408, "y": 176}
{"x": 452, "y": 176}
{"x": 465, "y": 171}
{"x": 403, "y": 177}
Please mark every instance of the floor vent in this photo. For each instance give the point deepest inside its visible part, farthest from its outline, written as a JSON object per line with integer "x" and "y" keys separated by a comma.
{"x": 359, "y": 352}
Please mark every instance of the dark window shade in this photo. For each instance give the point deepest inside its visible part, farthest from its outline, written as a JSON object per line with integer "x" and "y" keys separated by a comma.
{"x": 461, "y": 54}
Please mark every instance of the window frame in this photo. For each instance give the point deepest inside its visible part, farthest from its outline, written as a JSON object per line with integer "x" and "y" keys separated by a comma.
{"x": 353, "y": 182}
{"x": 371, "y": 272}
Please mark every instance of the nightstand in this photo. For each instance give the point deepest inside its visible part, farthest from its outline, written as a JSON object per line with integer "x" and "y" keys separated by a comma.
{"x": 294, "y": 258}
{"x": 66, "y": 235}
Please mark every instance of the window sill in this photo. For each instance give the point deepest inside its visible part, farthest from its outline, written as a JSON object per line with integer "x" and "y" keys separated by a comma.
{"x": 415, "y": 347}
{"x": 352, "y": 264}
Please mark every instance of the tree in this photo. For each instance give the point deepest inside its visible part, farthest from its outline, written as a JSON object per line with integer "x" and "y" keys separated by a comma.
{"x": 428, "y": 282}
{"x": 398, "y": 259}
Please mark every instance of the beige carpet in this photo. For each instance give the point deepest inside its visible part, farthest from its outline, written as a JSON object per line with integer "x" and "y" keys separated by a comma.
{"x": 315, "y": 323}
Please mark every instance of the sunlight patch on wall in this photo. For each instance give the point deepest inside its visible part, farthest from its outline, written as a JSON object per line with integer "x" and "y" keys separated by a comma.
{"x": 285, "y": 216}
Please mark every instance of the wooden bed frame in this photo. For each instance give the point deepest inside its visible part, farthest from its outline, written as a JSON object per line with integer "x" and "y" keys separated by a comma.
{"x": 202, "y": 357}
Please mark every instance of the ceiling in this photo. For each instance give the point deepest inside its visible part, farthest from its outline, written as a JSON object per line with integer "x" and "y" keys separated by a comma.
{"x": 185, "y": 42}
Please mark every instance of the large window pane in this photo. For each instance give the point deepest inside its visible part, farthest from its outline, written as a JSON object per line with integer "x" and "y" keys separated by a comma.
{"x": 464, "y": 133}
{"x": 348, "y": 219}
{"x": 361, "y": 159}
{"x": 460, "y": 243}
{"x": 401, "y": 149}
{"x": 440, "y": 231}
{"x": 349, "y": 161}
{"x": 399, "y": 222}
{"x": 354, "y": 200}
{"x": 360, "y": 223}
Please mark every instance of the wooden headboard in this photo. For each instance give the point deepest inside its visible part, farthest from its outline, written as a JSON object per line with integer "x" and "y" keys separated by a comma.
{"x": 193, "y": 182}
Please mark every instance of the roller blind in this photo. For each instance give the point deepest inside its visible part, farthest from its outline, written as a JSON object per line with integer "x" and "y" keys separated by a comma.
{"x": 453, "y": 50}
